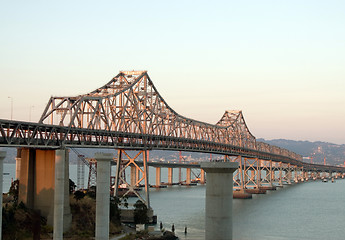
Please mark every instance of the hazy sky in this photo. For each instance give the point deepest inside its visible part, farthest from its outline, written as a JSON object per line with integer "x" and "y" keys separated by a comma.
{"x": 281, "y": 62}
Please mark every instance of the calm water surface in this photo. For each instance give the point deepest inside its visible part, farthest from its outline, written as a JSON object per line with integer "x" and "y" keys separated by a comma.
{"x": 311, "y": 210}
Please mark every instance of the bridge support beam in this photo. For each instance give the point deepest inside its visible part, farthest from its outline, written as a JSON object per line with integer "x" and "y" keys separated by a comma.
{"x": 188, "y": 176}
{"x": 202, "y": 176}
{"x": 18, "y": 160}
{"x": 133, "y": 175}
{"x": 103, "y": 195}
{"x": 158, "y": 176}
{"x": 170, "y": 176}
{"x": 218, "y": 224}
{"x": 59, "y": 194}
{"x": 42, "y": 184}
{"x": 2, "y": 157}
{"x": 120, "y": 172}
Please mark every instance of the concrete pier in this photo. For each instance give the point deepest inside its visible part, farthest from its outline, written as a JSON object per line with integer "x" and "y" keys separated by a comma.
{"x": 202, "y": 176}
{"x": 133, "y": 175}
{"x": 170, "y": 176}
{"x": 218, "y": 224}
{"x": 59, "y": 194}
{"x": 188, "y": 176}
{"x": 18, "y": 160}
{"x": 103, "y": 195}
{"x": 37, "y": 176}
{"x": 158, "y": 176}
{"x": 2, "y": 157}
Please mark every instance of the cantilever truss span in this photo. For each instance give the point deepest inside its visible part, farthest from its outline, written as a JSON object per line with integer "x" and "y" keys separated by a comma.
{"x": 130, "y": 103}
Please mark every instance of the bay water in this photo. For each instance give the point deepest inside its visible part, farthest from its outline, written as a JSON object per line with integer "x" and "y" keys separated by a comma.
{"x": 310, "y": 210}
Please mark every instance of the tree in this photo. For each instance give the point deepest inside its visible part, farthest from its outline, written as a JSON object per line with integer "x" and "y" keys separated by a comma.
{"x": 115, "y": 212}
{"x": 79, "y": 195}
{"x": 14, "y": 191}
{"x": 140, "y": 213}
{"x": 72, "y": 186}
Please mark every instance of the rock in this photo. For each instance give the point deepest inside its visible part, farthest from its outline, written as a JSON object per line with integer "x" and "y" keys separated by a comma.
{"x": 167, "y": 235}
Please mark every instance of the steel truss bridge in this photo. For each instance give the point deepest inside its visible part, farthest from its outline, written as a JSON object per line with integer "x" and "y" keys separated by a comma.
{"x": 128, "y": 113}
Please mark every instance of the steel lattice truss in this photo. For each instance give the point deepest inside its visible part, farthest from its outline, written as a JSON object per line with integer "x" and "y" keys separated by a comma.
{"x": 130, "y": 103}
{"x": 128, "y": 112}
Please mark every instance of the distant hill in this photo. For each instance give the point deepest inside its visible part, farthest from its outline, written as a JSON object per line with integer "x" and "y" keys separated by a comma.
{"x": 334, "y": 154}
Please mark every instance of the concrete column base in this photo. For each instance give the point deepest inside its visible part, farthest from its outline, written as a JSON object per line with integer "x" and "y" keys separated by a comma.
{"x": 218, "y": 224}
{"x": 103, "y": 195}
{"x": 37, "y": 183}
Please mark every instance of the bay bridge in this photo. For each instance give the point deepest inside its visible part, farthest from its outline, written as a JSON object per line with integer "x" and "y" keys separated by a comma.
{"x": 128, "y": 114}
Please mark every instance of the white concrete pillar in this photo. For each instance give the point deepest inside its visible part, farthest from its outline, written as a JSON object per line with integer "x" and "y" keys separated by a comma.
{"x": 188, "y": 176}
{"x": 170, "y": 176}
{"x": 158, "y": 176}
{"x": 59, "y": 194}
{"x": 218, "y": 224}
{"x": 67, "y": 215}
{"x": 103, "y": 195}
{"x": 2, "y": 157}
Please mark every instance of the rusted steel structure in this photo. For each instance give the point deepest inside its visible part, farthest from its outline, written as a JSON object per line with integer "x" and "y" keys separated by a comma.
{"x": 128, "y": 113}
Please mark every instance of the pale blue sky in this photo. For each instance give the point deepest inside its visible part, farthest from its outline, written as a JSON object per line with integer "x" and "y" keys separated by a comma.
{"x": 281, "y": 62}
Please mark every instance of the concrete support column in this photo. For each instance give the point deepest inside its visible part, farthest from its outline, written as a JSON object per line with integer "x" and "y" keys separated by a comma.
{"x": 188, "y": 176}
{"x": 103, "y": 195}
{"x": 158, "y": 176}
{"x": 18, "y": 161}
{"x": 26, "y": 184}
{"x": 133, "y": 175}
{"x": 202, "y": 176}
{"x": 2, "y": 157}
{"x": 170, "y": 176}
{"x": 218, "y": 224}
{"x": 59, "y": 194}
{"x": 67, "y": 215}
